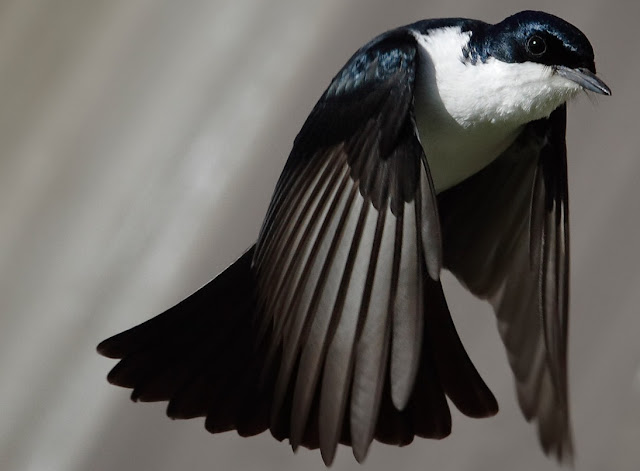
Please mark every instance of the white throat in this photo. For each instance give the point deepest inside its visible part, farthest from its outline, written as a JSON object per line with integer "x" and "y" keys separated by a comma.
{"x": 468, "y": 114}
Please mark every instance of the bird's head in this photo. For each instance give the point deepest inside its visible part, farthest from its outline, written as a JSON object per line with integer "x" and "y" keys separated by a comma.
{"x": 541, "y": 38}
{"x": 516, "y": 71}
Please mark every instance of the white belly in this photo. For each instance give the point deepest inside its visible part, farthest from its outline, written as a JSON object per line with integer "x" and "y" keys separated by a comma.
{"x": 454, "y": 153}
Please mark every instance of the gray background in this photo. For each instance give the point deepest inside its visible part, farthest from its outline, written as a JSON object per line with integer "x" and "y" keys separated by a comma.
{"x": 140, "y": 142}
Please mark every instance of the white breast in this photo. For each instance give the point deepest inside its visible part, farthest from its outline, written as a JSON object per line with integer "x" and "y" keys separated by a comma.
{"x": 467, "y": 114}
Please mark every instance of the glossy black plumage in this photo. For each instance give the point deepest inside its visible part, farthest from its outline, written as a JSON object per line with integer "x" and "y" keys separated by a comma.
{"x": 334, "y": 327}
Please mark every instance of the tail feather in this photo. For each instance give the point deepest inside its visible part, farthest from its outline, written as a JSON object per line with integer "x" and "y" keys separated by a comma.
{"x": 198, "y": 354}
{"x": 206, "y": 357}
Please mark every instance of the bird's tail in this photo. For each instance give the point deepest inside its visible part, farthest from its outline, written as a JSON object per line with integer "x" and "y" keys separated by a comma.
{"x": 200, "y": 355}
{"x": 208, "y": 357}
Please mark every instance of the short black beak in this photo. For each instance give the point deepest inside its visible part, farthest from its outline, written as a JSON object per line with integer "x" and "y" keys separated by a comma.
{"x": 585, "y": 78}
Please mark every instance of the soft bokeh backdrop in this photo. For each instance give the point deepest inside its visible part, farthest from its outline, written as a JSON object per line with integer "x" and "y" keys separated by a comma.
{"x": 139, "y": 144}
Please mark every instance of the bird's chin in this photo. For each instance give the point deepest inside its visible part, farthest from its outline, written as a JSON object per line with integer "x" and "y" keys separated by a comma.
{"x": 584, "y": 78}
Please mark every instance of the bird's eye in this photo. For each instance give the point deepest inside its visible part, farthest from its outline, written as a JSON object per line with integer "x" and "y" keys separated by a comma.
{"x": 536, "y": 46}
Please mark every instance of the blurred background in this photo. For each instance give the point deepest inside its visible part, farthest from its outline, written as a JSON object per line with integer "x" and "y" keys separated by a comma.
{"x": 140, "y": 141}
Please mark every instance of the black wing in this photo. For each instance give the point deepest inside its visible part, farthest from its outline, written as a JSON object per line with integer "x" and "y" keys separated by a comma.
{"x": 348, "y": 252}
{"x": 506, "y": 237}
{"x": 335, "y": 327}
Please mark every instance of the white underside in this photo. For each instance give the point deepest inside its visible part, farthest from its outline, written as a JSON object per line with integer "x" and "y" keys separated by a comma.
{"x": 467, "y": 115}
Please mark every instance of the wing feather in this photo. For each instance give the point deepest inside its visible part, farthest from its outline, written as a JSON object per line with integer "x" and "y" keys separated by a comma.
{"x": 506, "y": 237}
{"x": 345, "y": 333}
{"x": 327, "y": 303}
{"x": 297, "y": 312}
{"x": 369, "y": 372}
{"x": 407, "y": 309}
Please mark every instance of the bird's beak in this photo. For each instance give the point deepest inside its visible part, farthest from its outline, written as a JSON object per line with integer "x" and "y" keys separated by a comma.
{"x": 585, "y": 78}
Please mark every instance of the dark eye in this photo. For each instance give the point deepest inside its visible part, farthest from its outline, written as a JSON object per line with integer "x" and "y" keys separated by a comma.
{"x": 536, "y": 46}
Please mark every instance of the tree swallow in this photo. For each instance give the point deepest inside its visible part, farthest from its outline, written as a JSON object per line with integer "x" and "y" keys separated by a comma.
{"x": 440, "y": 144}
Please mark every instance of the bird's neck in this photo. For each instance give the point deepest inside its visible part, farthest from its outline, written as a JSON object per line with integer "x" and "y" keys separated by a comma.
{"x": 469, "y": 113}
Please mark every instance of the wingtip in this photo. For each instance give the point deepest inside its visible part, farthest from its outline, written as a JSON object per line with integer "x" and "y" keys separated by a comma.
{"x": 434, "y": 267}
{"x": 433, "y": 259}
{"x": 328, "y": 455}
{"x": 360, "y": 453}
{"x": 401, "y": 393}
{"x": 360, "y": 443}
{"x": 563, "y": 452}
{"x": 561, "y": 449}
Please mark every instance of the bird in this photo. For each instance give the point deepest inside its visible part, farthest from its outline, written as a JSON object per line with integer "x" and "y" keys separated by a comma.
{"x": 439, "y": 145}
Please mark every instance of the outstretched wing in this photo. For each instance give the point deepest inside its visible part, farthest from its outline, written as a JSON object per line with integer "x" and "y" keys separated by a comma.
{"x": 506, "y": 237}
{"x": 334, "y": 327}
{"x": 348, "y": 265}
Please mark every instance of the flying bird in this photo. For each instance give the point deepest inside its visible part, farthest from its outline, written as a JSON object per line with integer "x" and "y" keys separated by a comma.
{"x": 440, "y": 144}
